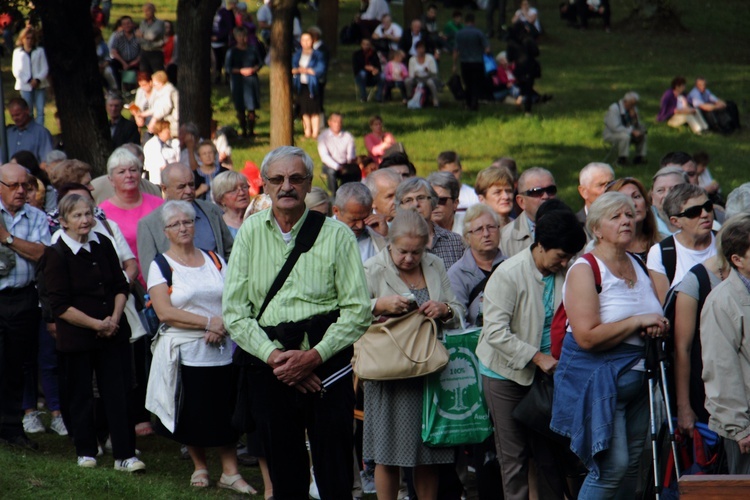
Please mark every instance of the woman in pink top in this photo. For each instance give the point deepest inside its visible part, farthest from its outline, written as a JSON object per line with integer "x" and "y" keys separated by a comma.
{"x": 128, "y": 205}
{"x": 378, "y": 141}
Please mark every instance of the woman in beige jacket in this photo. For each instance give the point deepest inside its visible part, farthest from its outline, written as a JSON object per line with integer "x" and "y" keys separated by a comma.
{"x": 402, "y": 277}
{"x": 520, "y": 300}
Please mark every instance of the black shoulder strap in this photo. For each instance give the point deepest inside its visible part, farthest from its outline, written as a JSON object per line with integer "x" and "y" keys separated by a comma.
{"x": 704, "y": 284}
{"x": 304, "y": 241}
{"x": 669, "y": 256}
{"x": 165, "y": 268}
{"x": 480, "y": 286}
{"x": 639, "y": 261}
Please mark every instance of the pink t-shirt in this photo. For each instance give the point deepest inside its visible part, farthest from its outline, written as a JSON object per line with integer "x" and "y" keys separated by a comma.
{"x": 128, "y": 219}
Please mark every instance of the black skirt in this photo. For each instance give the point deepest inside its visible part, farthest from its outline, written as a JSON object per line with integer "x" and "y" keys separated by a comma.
{"x": 207, "y": 403}
{"x": 308, "y": 105}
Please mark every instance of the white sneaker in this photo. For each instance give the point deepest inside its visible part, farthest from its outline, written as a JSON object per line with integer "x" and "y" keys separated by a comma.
{"x": 87, "y": 462}
{"x": 58, "y": 426}
{"x": 132, "y": 464}
{"x": 313, "y": 491}
{"x": 32, "y": 424}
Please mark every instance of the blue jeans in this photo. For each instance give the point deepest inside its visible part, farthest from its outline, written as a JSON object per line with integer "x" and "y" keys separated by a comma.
{"x": 365, "y": 79}
{"x": 618, "y": 465}
{"x": 35, "y": 99}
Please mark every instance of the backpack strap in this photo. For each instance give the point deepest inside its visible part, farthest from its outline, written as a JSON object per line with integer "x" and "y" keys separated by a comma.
{"x": 165, "y": 268}
{"x": 595, "y": 269}
{"x": 639, "y": 261}
{"x": 304, "y": 241}
{"x": 704, "y": 284}
{"x": 215, "y": 258}
{"x": 669, "y": 256}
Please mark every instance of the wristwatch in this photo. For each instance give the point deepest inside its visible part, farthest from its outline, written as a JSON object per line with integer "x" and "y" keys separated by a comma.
{"x": 450, "y": 313}
{"x": 9, "y": 240}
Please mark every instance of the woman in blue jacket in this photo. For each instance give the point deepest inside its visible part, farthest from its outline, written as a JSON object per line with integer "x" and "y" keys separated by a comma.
{"x": 308, "y": 66}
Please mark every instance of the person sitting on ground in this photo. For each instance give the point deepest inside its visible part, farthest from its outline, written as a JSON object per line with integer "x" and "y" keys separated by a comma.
{"x": 675, "y": 109}
{"x": 529, "y": 16}
{"x": 371, "y": 17}
{"x": 535, "y": 186}
{"x": 336, "y": 149}
{"x": 378, "y": 140}
{"x": 692, "y": 214}
{"x": 395, "y": 73}
{"x": 447, "y": 189}
{"x": 623, "y": 126}
{"x": 705, "y": 179}
{"x": 594, "y": 8}
{"x": 721, "y": 116}
{"x": 495, "y": 188}
{"x": 504, "y": 81}
{"x": 416, "y": 34}
{"x": 450, "y": 161}
{"x": 124, "y": 49}
{"x": 386, "y": 36}
{"x": 366, "y": 66}
{"x": 230, "y": 192}
{"x": 423, "y": 69}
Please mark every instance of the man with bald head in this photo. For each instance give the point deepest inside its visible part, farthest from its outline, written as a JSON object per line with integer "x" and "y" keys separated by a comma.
{"x": 592, "y": 183}
{"x": 24, "y": 232}
{"x": 535, "y": 186}
{"x": 211, "y": 232}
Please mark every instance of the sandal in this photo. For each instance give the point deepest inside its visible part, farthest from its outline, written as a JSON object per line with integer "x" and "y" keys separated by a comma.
{"x": 230, "y": 483}
{"x": 199, "y": 479}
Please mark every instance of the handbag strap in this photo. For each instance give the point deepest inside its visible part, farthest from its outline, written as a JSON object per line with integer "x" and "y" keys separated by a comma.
{"x": 304, "y": 241}
{"x": 418, "y": 361}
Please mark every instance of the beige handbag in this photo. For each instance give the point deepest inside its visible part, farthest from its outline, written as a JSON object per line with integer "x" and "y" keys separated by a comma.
{"x": 402, "y": 347}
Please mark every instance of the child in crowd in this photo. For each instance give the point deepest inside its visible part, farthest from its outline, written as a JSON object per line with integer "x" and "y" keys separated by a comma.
{"x": 395, "y": 74}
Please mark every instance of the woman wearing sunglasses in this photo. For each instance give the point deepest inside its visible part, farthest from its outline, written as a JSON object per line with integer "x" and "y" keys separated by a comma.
{"x": 690, "y": 211}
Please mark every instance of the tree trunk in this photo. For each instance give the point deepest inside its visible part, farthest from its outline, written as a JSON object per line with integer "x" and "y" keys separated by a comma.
{"x": 74, "y": 72}
{"x": 328, "y": 22}
{"x": 194, "y": 21}
{"x": 281, "y": 74}
{"x": 412, "y": 11}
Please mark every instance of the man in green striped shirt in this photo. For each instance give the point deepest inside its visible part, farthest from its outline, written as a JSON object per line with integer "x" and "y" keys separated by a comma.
{"x": 306, "y": 385}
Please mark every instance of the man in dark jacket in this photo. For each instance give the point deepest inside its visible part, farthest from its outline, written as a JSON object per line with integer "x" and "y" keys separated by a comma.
{"x": 367, "y": 73}
{"x": 471, "y": 45}
{"x": 122, "y": 131}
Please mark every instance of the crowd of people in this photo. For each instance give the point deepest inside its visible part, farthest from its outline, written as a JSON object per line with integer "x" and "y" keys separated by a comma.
{"x": 260, "y": 299}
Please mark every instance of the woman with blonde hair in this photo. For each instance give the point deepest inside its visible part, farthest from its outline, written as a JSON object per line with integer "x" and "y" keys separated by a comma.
{"x": 646, "y": 232}
{"x": 30, "y": 70}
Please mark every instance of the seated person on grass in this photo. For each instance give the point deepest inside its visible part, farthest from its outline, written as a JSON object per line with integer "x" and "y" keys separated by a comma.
{"x": 366, "y": 66}
{"x": 395, "y": 74}
{"x": 623, "y": 127}
{"x": 675, "y": 109}
{"x": 721, "y": 116}
{"x": 386, "y": 36}
{"x": 504, "y": 86}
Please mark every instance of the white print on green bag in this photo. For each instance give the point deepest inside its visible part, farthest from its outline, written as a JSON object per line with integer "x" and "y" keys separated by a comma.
{"x": 459, "y": 382}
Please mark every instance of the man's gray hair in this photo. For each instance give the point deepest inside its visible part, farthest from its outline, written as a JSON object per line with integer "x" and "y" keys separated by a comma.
{"x": 55, "y": 156}
{"x": 738, "y": 201}
{"x": 166, "y": 172}
{"x": 671, "y": 170}
{"x": 587, "y": 172}
{"x": 415, "y": 184}
{"x": 122, "y": 157}
{"x": 286, "y": 153}
{"x": 114, "y": 96}
{"x": 447, "y": 181}
{"x": 528, "y": 173}
{"x": 371, "y": 180}
{"x": 353, "y": 191}
{"x": 176, "y": 207}
{"x": 631, "y": 96}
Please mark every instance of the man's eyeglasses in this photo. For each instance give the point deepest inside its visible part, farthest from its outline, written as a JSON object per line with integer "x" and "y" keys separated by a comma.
{"x": 419, "y": 199}
{"x": 293, "y": 179}
{"x": 696, "y": 211}
{"x": 490, "y": 228}
{"x": 442, "y": 200}
{"x": 538, "y": 192}
{"x": 187, "y": 223}
{"x": 13, "y": 186}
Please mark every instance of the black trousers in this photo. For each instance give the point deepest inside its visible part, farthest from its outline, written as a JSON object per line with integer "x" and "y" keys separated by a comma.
{"x": 19, "y": 330}
{"x": 152, "y": 61}
{"x": 112, "y": 366}
{"x": 282, "y": 414}
{"x": 474, "y": 80}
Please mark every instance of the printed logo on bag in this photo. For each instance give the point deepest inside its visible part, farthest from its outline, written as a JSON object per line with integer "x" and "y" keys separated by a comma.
{"x": 460, "y": 392}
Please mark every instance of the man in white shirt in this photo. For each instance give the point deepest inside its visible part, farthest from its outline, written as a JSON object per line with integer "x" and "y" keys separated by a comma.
{"x": 449, "y": 161}
{"x": 353, "y": 207}
{"x": 336, "y": 149}
{"x": 387, "y": 35}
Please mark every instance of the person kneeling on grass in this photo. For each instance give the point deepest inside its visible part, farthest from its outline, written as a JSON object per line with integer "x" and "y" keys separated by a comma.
{"x": 192, "y": 354}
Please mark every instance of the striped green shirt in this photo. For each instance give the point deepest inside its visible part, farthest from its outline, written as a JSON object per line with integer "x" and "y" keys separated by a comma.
{"x": 329, "y": 276}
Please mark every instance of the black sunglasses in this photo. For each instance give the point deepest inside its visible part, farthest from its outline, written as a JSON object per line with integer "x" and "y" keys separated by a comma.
{"x": 696, "y": 211}
{"x": 442, "y": 200}
{"x": 538, "y": 192}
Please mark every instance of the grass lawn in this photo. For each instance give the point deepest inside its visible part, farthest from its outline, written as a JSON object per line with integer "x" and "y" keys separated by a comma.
{"x": 585, "y": 70}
